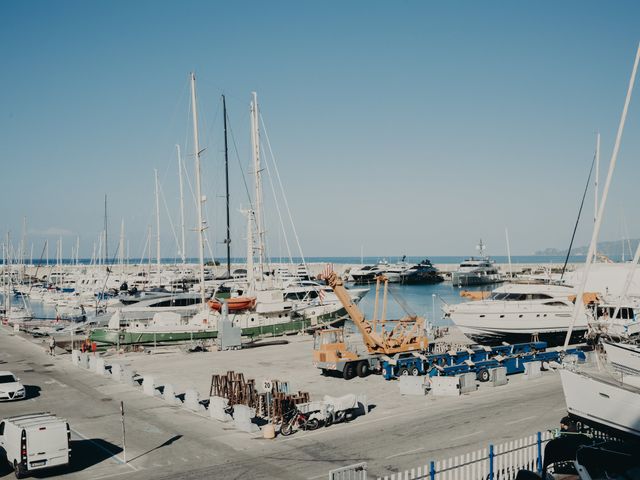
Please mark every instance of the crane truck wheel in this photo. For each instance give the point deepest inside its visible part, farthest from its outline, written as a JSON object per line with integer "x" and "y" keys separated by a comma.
{"x": 349, "y": 371}
{"x": 363, "y": 369}
{"x": 403, "y": 372}
{"x": 415, "y": 371}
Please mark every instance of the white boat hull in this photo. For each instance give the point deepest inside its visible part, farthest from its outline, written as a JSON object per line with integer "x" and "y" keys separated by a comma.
{"x": 599, "y": 402}
{"x": 623, "y": 357}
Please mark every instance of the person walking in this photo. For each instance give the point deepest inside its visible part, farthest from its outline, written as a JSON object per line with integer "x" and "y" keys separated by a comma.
{"x": 52, "y": 346}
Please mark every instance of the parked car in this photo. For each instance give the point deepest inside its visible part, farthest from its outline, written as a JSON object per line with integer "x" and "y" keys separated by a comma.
{"x": 10, "y": 387}
{"x": 34, "y": 442}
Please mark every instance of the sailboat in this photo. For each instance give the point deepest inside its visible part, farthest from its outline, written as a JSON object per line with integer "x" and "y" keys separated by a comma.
{"x": 269, "y": 312}
{"x": 605, "y": 394}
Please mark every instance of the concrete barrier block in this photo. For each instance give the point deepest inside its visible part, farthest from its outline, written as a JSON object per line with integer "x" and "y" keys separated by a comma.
{"x": 217, "y": 406}
{"x": 75, "y": 357}
{"x": 169, "y": 395}
{"x": 84, "y": 360}
{"x": 467, "y": 382}
{"x": 116, "y": 371}
{"x": 242, "y": 416}
{"x": 412, "y": 385}
{"x": 126, "y": 376}
{"x": 498, "y": 376}
{"x": 532, "y": 370}
{"x": 445, "y": 386}
{"x": 92, "y": 362}
{"x": 192, "y": 400}
{"x": 99, "y": 367}
{"x": 246, "y": 426}
{"x": 243, "y": 413}
{"x": 149, "y": 385}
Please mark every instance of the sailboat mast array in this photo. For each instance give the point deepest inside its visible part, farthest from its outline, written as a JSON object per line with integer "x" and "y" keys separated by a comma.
{"x": 199, "y": 197}
{"x": 255, "y": 143}
{"x": 182, "y": 245}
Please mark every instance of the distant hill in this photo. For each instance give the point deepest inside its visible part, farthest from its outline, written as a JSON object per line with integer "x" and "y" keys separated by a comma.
{"x": 610, "y": 249}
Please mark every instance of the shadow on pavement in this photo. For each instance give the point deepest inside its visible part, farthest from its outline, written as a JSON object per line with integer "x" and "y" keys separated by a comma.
{"x": 84, "y": 454}
{"x": 31, "y": 391}
{"x": 175, "y": 438}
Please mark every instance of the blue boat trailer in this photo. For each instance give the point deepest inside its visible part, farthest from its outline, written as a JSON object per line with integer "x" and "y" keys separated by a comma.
{"x": 479, "y": 359}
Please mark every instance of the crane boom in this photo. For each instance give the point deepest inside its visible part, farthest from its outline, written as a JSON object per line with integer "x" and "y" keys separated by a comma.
{"x": 407, "y": 335}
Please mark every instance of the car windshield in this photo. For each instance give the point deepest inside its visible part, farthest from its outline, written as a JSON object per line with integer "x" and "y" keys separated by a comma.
{"x": 7, "y": 379}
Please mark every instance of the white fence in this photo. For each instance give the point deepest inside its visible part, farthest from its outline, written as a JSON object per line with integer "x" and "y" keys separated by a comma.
{"x": 499, "y": 462}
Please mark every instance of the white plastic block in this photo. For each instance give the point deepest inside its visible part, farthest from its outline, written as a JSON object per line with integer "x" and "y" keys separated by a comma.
{"x": 126, "y": 376}
{"x": 445, "y": 386}
{"x": 116, "y": 371}
{"x": 100, "y": 370}
{"x": 498, "y": 376}
{"x": 75, "y": 357}
{"x": 532, "y": 370}
{"x": 217, "y": 407}
{"x": 192, "y": 400}
{"x": 169, "y": 395}
{"x": 149, "y": 385}
{"x": 92, "y": 362}
{"x": 84, "y": 360}
{"x": 412, "y": 385}
{"x": 467, "y": 382}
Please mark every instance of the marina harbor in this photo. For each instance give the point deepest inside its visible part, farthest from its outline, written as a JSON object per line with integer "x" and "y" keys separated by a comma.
{"x": 319, "y": 240}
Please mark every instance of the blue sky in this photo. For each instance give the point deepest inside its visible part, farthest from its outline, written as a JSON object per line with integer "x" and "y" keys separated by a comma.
{"x": 398, "y": 127}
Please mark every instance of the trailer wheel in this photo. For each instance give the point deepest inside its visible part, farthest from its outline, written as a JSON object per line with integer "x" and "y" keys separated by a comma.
{"x": 363, "y": 369}
{"x": 483, "y": 375}
{"x": 349, "y": 371}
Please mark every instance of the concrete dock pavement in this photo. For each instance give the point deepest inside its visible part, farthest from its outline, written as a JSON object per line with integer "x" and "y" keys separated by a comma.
{"x": 165, "y": 441}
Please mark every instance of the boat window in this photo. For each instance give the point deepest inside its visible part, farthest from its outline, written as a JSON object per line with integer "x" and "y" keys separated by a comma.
{"x": 555, "y": 304}
{"x": 166, "y": 303}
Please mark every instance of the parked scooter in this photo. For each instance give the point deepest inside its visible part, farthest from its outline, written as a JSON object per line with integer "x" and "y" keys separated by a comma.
{"x": 294, "y": 419}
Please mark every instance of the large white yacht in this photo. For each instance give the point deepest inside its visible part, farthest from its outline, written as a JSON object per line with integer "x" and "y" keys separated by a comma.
{"x": 476, "y": 271}
{"x": 518, "y": 313}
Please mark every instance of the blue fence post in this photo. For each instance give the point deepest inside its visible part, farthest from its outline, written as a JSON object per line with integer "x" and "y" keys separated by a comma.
{"x": 491, "y": 456}
{"x": 432, "y": 471}
{"x": 539, "y": 452}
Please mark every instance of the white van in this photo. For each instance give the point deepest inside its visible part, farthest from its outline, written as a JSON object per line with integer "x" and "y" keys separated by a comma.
{"x": 35, "y": 441}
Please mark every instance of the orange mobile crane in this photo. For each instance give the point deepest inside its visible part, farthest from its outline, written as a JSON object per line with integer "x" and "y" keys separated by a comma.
{"x": 362, "y": 351}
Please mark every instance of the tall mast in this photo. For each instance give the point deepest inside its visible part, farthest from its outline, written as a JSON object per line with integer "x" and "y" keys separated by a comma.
{"x": 155, "y": 170}
{"x": 579, "y": 306}
{"x": 595, "y": 211}
{"x": 226, "y": 172}
{"x": 106, "y": 230}
{"x": 77, "y": 249}
{"x": 200, "y": 199}
{"x": 255, "y": 142}
{"x": 121, "y": 247}
{"x": 182, "y": 246}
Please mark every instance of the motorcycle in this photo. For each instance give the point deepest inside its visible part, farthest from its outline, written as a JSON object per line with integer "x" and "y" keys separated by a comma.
{"x": 294, "y": 419}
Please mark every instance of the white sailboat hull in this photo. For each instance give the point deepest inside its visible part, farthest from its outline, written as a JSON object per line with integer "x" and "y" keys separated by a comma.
{"x": 601, "y": 402}
{"x": 623, "y": 357}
